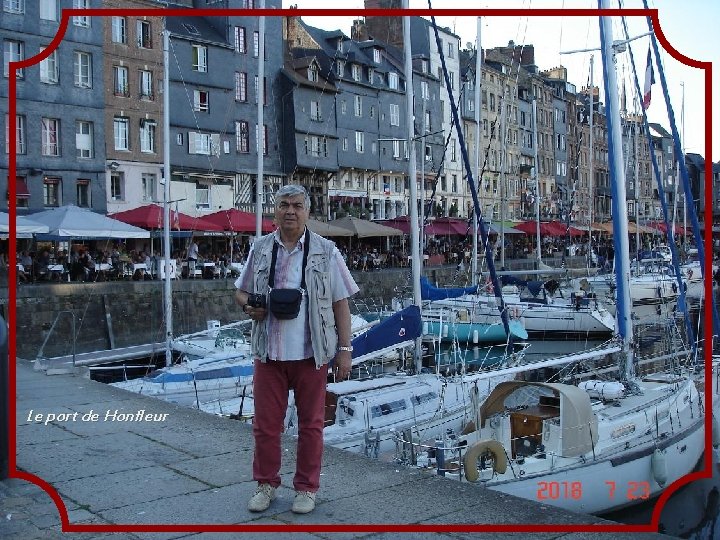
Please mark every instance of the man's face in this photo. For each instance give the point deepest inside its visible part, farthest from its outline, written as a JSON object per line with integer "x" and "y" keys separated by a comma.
{"x": 291, "y": 214}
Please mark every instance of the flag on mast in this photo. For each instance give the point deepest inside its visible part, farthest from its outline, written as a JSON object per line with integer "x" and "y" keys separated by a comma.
{"x": 649, "y": 81}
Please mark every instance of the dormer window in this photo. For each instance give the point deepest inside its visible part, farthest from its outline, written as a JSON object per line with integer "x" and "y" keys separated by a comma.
{"x": 313, "y": 73}
{"x": 340, "y": 45}
{"x": 340, "y": 68}
{"x": 393, "y": 80}
{"x": 424, "y": 66}
{"x": 377, "y": 57}
{"x": 356, "y": 72}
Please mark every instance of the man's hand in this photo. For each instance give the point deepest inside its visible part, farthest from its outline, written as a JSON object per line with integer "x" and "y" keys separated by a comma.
{"x": 256, "y": 314}
{"x": 343, "y": 364}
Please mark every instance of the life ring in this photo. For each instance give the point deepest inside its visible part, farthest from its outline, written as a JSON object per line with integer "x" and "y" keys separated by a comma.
{"x": 470, "y": 460}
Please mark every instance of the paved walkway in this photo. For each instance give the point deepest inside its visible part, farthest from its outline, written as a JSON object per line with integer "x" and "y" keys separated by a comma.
{"x": 180, "y": 466}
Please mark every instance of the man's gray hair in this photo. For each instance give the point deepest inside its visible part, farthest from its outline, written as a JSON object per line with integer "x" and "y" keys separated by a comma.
{"x": 291, "y": 190}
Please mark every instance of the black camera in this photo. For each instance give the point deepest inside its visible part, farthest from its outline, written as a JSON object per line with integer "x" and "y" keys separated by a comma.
{"x": 256, "y": 300}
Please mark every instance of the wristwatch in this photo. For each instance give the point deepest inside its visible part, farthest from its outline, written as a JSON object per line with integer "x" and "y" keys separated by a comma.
{"x": 348, "y": 349}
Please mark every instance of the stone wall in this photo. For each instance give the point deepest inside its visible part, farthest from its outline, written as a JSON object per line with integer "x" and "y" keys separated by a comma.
{"x": 115, "y": 314}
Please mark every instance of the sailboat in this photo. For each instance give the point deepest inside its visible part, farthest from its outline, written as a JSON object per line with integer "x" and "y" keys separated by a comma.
{"x": 599, "y": 444}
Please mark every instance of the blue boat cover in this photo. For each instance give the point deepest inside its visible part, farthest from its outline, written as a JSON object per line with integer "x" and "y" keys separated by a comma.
{"x": 403, "y": 326}
{"x": 429, "y": 292}
{"x": 164, "y": 377}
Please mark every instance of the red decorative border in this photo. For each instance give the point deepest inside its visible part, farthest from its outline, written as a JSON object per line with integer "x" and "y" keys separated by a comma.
{"x": 327, "y": 527}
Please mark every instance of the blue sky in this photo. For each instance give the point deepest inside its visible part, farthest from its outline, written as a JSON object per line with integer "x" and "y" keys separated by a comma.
{"x": 690, "y": 25}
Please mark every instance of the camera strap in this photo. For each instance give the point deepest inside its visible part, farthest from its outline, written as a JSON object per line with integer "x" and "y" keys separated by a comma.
{"x": 306, "y": 249}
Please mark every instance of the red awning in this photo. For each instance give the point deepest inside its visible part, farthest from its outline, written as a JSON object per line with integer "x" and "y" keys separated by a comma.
{"x": 548, "y": 228}
{"x": 21, "y": 189}
{"x": 151, "y": 217}
{"x": 662, "y": 227}
{"x": 235, "y": 220}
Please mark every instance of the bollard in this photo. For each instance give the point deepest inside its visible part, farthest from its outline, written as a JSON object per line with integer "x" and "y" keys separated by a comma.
{"x": 4, "y": 401}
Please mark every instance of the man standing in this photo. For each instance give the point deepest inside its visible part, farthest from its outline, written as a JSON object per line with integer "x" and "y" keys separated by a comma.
{"x": 292, "y": 348}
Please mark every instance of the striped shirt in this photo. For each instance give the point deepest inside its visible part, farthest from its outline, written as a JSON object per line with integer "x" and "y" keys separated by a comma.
{"x": 289, "y": 339}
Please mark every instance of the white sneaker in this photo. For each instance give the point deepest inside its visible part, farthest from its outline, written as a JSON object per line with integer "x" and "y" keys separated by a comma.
{"x": 304, "y": 502}
{"x": 264, "y": 495}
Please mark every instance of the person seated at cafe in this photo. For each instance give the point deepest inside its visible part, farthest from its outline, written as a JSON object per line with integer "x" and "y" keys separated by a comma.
{"x": 88, "y": 265}
{"x": 25, "y": 275}
{"x": 41, "y": 265}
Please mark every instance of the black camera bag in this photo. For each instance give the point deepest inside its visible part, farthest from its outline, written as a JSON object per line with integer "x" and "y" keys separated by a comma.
{"x": 285, "y": 303}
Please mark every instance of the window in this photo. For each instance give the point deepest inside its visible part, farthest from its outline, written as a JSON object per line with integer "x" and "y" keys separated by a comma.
{"x": 428, "y": 123}
{"x": 144, "y": 35}
{"x": 83, "y": 69}
{"x": 200, "y": 100}
{"x": 451, "y": 49}
{"x": 340, "y": 67}
{"x": 119, "y": 30}
{"x": 20, "y": 144}
{"x": 240, "y": 86}
{"x": 371, "y": 75}
{"x": 22, "y": 193}
{"x": 117, "y": 186}
{"x": 51, "y": 191}
{"x": 81, "y": 20}
{"x": 315, "y": 111}
{"x": 428, "y": 152}
{"x": 453, "y": 150}
{"x": 394, "y": 114}
{"x": 147, "y": 136}
{"x": 316, "y": 146}
{"x": 372, "y": 111}
{"x": 424, "y": 90}
{"x": 202, "y": 196}
{"x": 146, "y": 85}
{"x": 377, "y": 56}
{"x": 199, "y": 143}
{"x": 83, "y": 139}
{"x": 393, "y": 81}
{"x": 242, "y": 142}
{"x": 396, "y": 149}
{"x": 355, "y": 72}
{"x": 358, "y": 105}
{"x": 148, "y": 187}
{"x": 50, "y": 137}
{"x": 199, "y": 56}
{"x": 359, "y": 142}
{"x": 471, "y": 105}
{"x": 343, "y": 107}
{"x": 313, "y": 73}
{"x": 345, "y": 144}
{"x": 265, "y": 139}
{"x": 120, "y": 76}
{"x": 14, "y": 52}
{"x": 240, "y": 40}
{"x": 48, "y": 10}
{"x": 14, "y": 6}
{"x": 49, "y": 71}
{"x": 424, "y": 65}
{"x": 256, "y": 44}
{"x": 121, "y": 131}
{"x": 82, "y": 193}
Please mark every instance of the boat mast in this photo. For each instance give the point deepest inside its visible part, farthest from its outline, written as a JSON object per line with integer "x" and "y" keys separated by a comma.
{"x": 260, "y": 130}
{"x": 478, "y": 140}
{"x": 619, "y": 199}
{"x": 412, "y": 174}
{"x": 167, "y": 287}
{"x": 503, "y": 156}
{"x": 591, "y": 153}
{"x": 536, "y": 178}
{"x": 636, "y": 190}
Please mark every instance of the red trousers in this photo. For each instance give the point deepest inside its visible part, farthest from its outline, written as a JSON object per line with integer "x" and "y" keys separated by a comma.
{"x": 272, "y": 380}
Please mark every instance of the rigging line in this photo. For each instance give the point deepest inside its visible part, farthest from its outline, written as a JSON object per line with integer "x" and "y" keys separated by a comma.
{"x": 473, "y": 189}
{"x": 682, "y": 304}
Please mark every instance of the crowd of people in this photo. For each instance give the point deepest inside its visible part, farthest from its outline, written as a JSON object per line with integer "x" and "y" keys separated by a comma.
{"x": 98, "y": 262}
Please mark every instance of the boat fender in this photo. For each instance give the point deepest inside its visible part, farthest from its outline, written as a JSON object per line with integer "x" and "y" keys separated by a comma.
{"x": 426, "y": 328}
{"x": 659, "y": 467}
{"x": 480, "y": 448}
{"x": 475, "y": 336}
{"x": 445, "y": 330}
{"x": 715, "y": 431}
